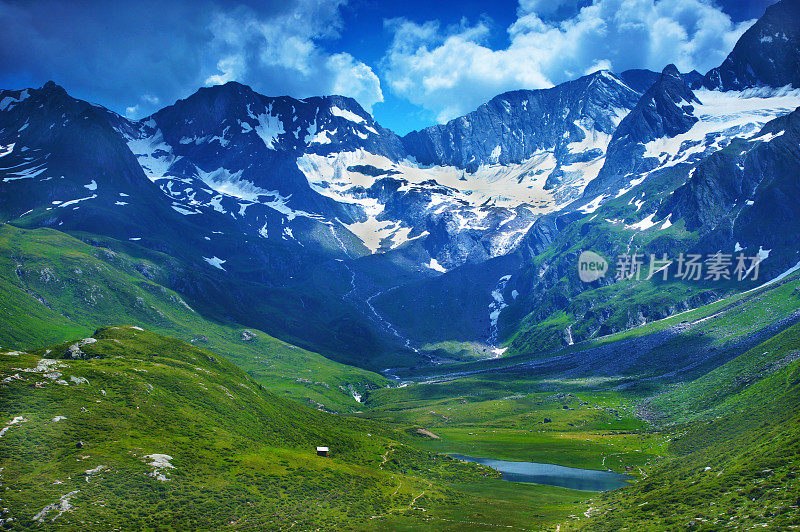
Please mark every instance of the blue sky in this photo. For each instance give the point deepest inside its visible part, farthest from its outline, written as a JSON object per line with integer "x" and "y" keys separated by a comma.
{"x": 412, "y": 63}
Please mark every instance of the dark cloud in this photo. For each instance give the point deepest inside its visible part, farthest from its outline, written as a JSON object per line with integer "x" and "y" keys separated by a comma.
{"x": 107, "y": 51}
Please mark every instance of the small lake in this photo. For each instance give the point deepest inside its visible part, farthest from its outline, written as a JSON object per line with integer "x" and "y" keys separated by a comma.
{"x": 553, "y": 475}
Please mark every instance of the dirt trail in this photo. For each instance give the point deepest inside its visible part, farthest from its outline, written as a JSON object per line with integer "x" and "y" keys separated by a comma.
{"x": 385, "y": 456}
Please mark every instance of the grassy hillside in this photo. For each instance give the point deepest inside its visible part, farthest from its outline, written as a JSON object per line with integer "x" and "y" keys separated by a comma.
{"x": 54, "y": 287}
{"x": 694, "y": 342}
{"x": 552, "y": 297}
{"x": 128, "y": 428}
{"x": 139, "y": 431}
{"x": 730, "y": 387}
{"x": 715, "y": 446}
{"x": 738, "y": 459}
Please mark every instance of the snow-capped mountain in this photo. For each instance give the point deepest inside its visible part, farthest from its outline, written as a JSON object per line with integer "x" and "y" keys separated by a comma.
{"x": 472, "y": 187}
{"x": 672, "y": 124}
{"x": 68, "y": 164}
{"x": 746, "y": 197}
{"x": 232, "y": 150}
{"x": 515, "y": 126}
{"x": 728, "y": 157}
{"x": 62, "y": 158}
{"x": 298, "y": 169}
{"x": 665, "y": 110}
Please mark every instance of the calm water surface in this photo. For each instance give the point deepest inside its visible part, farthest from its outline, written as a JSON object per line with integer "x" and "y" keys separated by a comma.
{"x": 553, "y": 475}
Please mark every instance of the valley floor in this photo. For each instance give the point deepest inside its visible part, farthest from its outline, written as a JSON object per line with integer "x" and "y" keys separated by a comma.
{"x": 130, "y": 429}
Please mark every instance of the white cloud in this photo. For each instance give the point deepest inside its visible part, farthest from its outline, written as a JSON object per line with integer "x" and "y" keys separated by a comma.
{"x": 229, "y": 68}
{"x": 450, "y": 71}
{"x": 146, "y": 101}
{"x": 355, "y": 79}
{"x": 600, "y": 64}
{"x": 281, "y": 54}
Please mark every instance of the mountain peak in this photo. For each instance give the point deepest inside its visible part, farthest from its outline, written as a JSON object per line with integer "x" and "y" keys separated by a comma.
{"x": 541, "y": 119}
{"x": 671, "y": 71}
{"x": 51, "y": 88}
{"x": 603, "y": 73}
{"x": 337, "y": 100}
{"x": 673, "y": 85}
{"x": 661, "y": 110}
{"x": 227, "y": 90}
{"x": 664, "y": 110}
{"x": 767, "y": 54}
{"x": 641, "y": 79}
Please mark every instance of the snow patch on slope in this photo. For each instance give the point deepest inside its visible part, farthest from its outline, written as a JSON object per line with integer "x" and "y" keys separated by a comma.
{"x": 347, "y": 115}
{"x": 496, "y": 306}
{"x": 215, "y": 262}
{"x": 722, "y": 116}
{"x": 269, "y": 128}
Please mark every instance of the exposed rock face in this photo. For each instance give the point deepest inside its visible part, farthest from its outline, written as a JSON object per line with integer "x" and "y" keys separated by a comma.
{"x": 513, "y": 126}
{"x": 74, "y": 351}
{"x": 240, "y": 186}
{"x": 767, "y": 54}
{"x": 747, "y": 194}
{"x": 640, "y": 79}
{"x": 543, "y": 232}
{"x": 665, "y": 110}
{"x": 258, "y": 138}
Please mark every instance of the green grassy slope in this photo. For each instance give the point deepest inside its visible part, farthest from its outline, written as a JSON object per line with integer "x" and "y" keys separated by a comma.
{"x": 729, "y": 387}
{"x": 737, "y": 463}
{"x": 141, "y": 431}
{"x": 551, "y": 296}
{"x": 54, "y": 287}
{"x": 722, "y": 450}
{"x": 715, "y": 329}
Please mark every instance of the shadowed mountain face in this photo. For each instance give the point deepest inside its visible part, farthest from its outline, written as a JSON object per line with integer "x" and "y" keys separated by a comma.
{"x": 322, "y": 172}
{"x": 748, "y": 193}
{"x": 64, "y": 159}
{"x": 664, "y": 110}
{"x": 232, "y": 127}
{"x": 768, "y": 54}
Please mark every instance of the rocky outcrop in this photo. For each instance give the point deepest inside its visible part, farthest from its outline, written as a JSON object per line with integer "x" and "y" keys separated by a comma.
{"x": 665, "y": 110}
